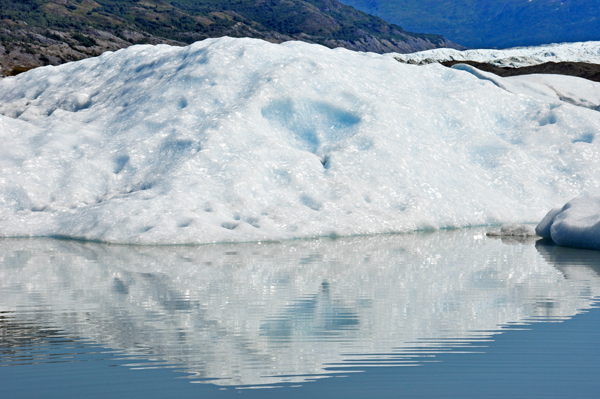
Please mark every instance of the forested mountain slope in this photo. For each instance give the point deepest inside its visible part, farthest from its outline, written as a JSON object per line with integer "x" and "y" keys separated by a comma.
{"x": 39, "y": 32}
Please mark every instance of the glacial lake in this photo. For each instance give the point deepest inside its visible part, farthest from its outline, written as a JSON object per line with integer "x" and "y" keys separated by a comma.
{"x": 448, "y": 314}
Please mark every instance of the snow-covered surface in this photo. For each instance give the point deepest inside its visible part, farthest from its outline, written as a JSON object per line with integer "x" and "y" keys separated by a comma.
{"x": 577, "y": 224}
{"x": 289, "y": 312}
{"x": 514, "y": 57}
{"x": 546, "y": 87}
{"x": 243, "y": 140}
{"x": 571, "y": 89}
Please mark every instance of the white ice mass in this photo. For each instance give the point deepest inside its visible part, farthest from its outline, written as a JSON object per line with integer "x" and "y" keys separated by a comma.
{"x": 242, "y": 140}
{"x": 514, "y": 57}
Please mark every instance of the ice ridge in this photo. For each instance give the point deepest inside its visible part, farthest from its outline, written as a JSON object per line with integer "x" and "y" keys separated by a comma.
{"x": 514, "y": 57}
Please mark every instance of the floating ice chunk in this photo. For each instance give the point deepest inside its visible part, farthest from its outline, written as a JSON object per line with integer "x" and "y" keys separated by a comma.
{"x": 543, "y": 228}
{"x": 577, "y": 224}
{"x": 514, "y": 230}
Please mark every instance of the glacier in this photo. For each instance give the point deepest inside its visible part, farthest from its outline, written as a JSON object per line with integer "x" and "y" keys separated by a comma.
{"x": 513, "y": 57}
{"x": 231, "y": 140}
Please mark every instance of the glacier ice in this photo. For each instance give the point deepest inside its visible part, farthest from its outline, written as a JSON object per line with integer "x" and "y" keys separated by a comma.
{"x": 231, "y": 140}
{"x": 547, "y": 87}
{"x": 513, "y": 57}
{"x": 570, "y": 89}
{"x": 577, "y": 224}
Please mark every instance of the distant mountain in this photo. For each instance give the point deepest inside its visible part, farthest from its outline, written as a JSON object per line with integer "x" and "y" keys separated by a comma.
{"x": 493, "y": 23}
{"x": 39, "y": 32}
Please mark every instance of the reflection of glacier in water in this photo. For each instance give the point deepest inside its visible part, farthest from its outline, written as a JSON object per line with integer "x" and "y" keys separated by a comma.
{"x": 251, "y": 314}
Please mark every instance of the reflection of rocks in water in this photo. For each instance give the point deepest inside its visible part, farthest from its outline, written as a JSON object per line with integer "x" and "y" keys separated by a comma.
{"x": 514, "y": 240}
{"x": 19, "y": 340}
{"x": 247, "y": 314}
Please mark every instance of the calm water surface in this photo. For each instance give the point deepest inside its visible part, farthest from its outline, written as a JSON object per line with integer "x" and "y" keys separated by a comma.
{"x": 445, "y": 314}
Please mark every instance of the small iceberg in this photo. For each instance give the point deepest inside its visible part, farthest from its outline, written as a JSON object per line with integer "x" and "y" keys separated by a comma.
{"x": 577, "y": 224}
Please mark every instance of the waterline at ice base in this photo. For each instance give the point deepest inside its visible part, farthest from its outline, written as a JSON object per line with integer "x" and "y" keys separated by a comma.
{"x": 231, "y": 140}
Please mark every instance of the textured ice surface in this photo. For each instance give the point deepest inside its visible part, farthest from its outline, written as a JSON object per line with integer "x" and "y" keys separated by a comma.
{"x": 240, "y": 139}
{"x": 577, "y": 224}
{"x": 571, "y": 89}
{"x": 514, "y": 57}
{"x": 547, "y": 87}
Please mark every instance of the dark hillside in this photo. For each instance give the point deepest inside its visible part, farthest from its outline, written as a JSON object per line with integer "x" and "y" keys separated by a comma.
{"x": 39, "y": 32}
